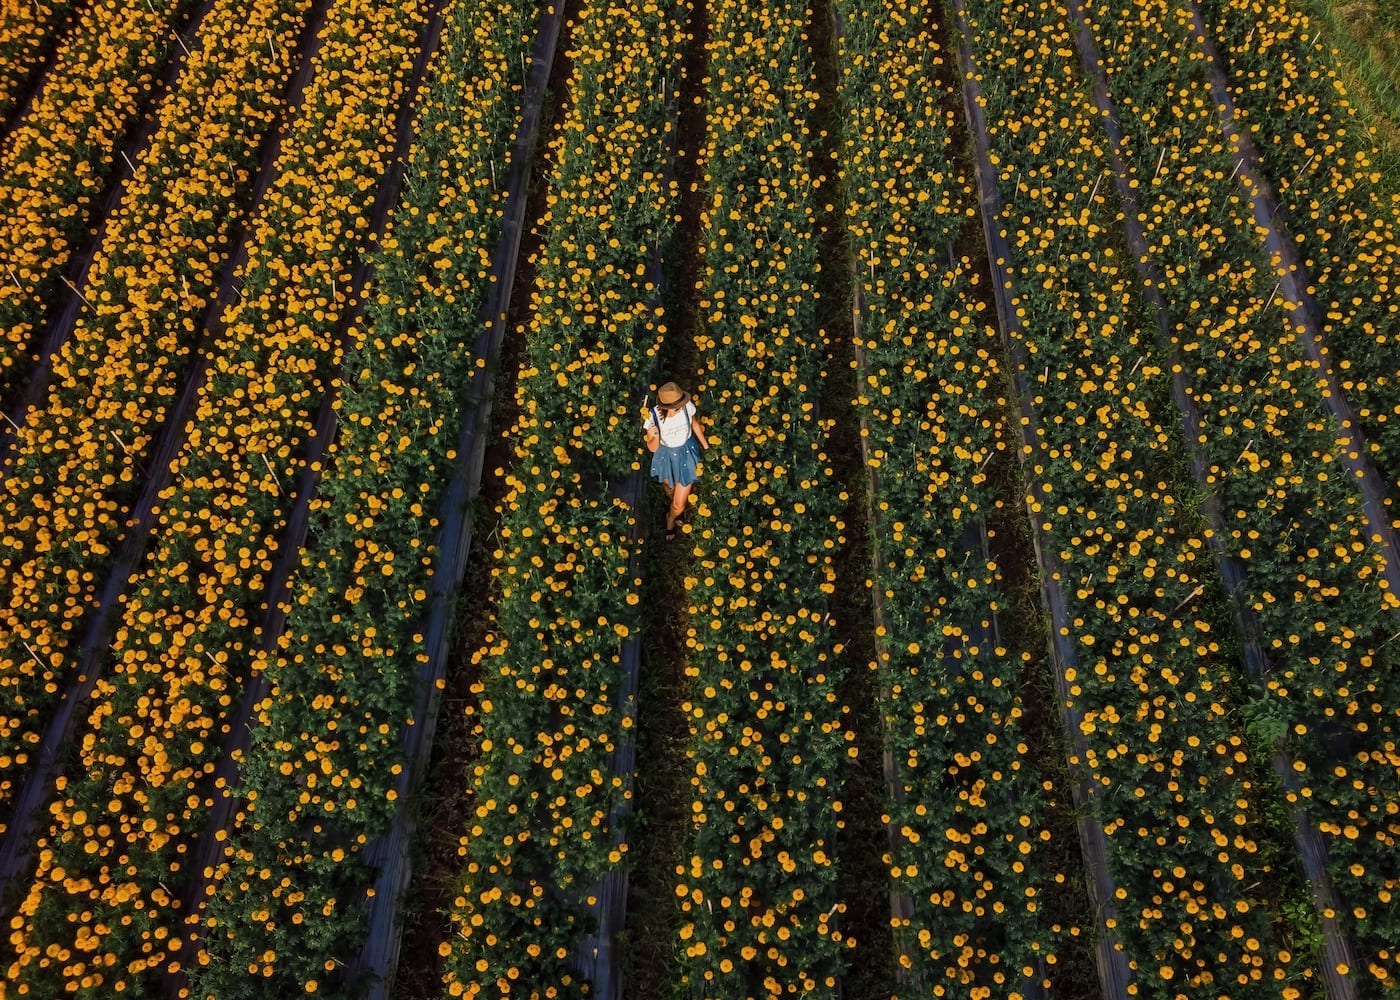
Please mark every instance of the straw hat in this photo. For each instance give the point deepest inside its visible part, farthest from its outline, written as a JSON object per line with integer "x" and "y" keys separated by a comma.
{"x": 671, "y": 394}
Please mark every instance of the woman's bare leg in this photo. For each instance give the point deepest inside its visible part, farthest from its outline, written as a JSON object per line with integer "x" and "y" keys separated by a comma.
{"x": 678, "y": 502}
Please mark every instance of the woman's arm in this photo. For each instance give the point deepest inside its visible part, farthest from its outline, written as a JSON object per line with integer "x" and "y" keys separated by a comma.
{"x": 699, "y": 432}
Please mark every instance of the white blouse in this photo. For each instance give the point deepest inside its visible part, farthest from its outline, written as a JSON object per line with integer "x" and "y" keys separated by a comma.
{"x": 675, "y": 426}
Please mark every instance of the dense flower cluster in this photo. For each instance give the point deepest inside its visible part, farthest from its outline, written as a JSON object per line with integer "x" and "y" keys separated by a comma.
{"x": 1313, "y": 577}
{"x": 101, "y": 910}
{"x": 759, "y": 893}
{"x": 968, "y": 812}
{"x": 1153, "y": 682}
{"x": 546, "y": 715}
{"x": 24, "y": 29}
{"x": 76, "y": 460}
{"x": 58, "y": 159}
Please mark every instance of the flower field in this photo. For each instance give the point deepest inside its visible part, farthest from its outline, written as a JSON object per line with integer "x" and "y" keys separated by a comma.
{"x": 1167, "y": 769}
{"x": 1319, "y": 156}
{"x": 1046, "y": 354}
{"x": 759, "y": 895}
{"x": 1323, "y": 568}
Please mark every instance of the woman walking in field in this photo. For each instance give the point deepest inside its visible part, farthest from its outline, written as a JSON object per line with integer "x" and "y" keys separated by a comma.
{"x": 674, "y": 436}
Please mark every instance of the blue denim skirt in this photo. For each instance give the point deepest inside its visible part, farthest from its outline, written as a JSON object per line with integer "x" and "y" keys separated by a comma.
{"x": 676, "y": 466}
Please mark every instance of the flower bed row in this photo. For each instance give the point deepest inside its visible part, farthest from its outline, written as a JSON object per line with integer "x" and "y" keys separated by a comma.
{"x": 969, "y": 816}
{"x": 1296, "y": 521}
{"x": 1313, "y": 893}
{"x": 76, "y": 461}
{"x": 1346, "y": 220}
{"x": 760, "y": 896}
{"x": 1155, "y": 680}
{"x": 321, "y": 768}
{"x": 25, "y": 31}
{"x": 546, "y": 718}
{"x": 101, "y": 911}
{"x": 57, "y": 160}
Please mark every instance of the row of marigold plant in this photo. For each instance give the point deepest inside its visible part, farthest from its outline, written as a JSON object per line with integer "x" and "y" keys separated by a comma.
{"x": 59, "y": 157}
{"x": 102, "y": 912}
{"x": 1345, "y": 218}
{"x": 545, "y": 718}
{"x": 1313, "y": 578}
{"x": 25, "y": 32}
{"x": 1154, "y": 678}
{"x": 76, "y": 460}
{"x": 321, "y": 772}
{"x": 968, "y": 813}
{"x": 760, "y": 892}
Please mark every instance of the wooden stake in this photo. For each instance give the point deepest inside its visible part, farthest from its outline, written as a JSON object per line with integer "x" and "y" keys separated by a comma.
{"x": 1096, "y": 188}
{"x": 74, "y": 288}
{"x": 276, "y": 482}
{"x": 42, "y": 664}
{"x": 1189, "y": 598}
